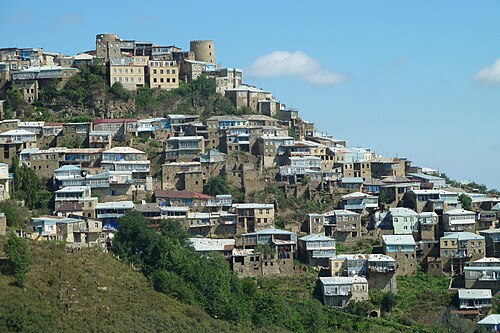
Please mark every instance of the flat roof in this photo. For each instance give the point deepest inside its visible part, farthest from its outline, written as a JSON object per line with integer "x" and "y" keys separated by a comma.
{"x": 209, "y": 244}
{"x": 398, "y": 240}
{"x": 336, "y": 280}
{"x": 115, "y": 205}
{"x": 462, "y": 236}
{"x": 474, "y": 293}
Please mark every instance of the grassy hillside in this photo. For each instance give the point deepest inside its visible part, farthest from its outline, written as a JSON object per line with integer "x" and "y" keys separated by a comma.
{"x": 90, "y": 291}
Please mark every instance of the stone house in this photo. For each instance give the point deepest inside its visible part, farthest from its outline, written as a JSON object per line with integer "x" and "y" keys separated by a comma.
{"x": 403, "y": 249}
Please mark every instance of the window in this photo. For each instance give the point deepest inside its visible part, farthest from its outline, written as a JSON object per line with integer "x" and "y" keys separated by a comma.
{"x": 154, "y": 72}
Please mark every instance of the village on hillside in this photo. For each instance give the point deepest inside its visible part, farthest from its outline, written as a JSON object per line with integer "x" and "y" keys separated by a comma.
{"x": 261, "y": 187}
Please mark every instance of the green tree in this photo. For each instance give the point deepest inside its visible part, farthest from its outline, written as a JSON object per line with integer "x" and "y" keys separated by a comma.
{"x": 17, "y": 216}
{"x": 119, "y": 91}
{"x": 388, "y": 302}
{"x": 49, "y": 92}
{"x": 217, "y": 185}
{"x": 466, "y": 201}
{"x": 19, "y": 257}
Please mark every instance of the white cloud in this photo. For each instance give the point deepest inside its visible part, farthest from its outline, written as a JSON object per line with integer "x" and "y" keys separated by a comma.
{"x": 297, "y": 64}
{"x": 489, "y": 74}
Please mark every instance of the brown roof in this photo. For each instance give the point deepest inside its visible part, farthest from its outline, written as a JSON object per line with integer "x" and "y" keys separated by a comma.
{"x": 172, "y": 194}
{"x": 70, "y": 207}
{"x": 114, "y": 120}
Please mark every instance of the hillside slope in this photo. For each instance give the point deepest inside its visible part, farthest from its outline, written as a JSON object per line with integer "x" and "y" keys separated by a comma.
{"x": 90, "y": 291}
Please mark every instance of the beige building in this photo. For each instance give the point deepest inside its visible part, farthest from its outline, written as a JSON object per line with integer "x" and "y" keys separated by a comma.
{"x": 130, "y": 72}
{"x": 163, "y": 74}
{"x": 459, "y": 247}
{"x": 247, "y": 96}
{"x": 254, "y": 216}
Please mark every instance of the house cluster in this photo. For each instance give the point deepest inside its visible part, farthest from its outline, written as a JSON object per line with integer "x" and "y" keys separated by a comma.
{"x": 134, "y": 64}
{"x": 100, "y": 172}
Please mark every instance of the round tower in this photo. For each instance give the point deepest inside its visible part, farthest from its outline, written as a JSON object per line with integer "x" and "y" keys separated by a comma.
{"x": 203, "y": 50}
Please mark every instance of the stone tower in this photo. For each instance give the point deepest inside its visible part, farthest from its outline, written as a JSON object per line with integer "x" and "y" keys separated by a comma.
{"x": 203, "y": 50}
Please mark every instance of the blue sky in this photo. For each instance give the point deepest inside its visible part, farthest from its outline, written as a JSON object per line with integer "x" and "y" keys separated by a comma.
{"x": 409, "y": 79}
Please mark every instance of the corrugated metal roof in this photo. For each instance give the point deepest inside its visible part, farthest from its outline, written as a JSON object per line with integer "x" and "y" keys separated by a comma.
{"x": 474, "y": 293}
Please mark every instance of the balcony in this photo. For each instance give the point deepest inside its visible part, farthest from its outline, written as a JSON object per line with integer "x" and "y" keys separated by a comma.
{"x": 381, "y": 269}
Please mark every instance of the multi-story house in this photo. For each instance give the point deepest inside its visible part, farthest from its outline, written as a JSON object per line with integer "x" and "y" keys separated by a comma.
{"x": 404, "y": 221}
{"x": 431, "y": 200}
{"x": 200, "y": 224}
{"x": 343, "y": 225}
{"x": 338, "y": 291}
{"x": 216, "y": 125}
{"x": 13, "y": 142}
{"x": 177, "y": 123}
{"x": 456, "y": 248}
{"x": 182, "y": 176}
{"x": 486, "y": 220}
{"x": 110, "y": 212}
{"x": 254, "y": 216}
{"x": 314, "y": 224}
{"x": 248, "y": 96}
{"x": 239, "y": 138}
{"x": 31, "y": 126}
{"x": 385, "y": 167}
{"x": 456, "y": 220}
{"x": 227, "y": 78}
{"x": 74, "y": 134}
{"x": 81, "y": 233}
{"x": 163, "y": 74}
{"x": 475, "y": 299}
{"x": 483, "y": 274}
{"x": 69, "y": 175}
{"x": 359, "y": 202}
{"x": 71, "y": 194}
{"x": 194, "y": 200}
{"x": 428, "y": 244}
{"x": 429, "y": 181}
{"x": 45, "y": 227}
{"x": 299, "y": 167}
{"x": 271, "y": 148}
{"x": 268, "y": 252}
{"x": 492, "y": 238}
{"x": 403, "y": 249}
{"x": 128, "y": 72}
{"x": 174, "y": 212}
{"x": 379, "y": 269}
{"x": 184, "y": 148}
{"x": 114, "y": 183}
{"x": 100, "y": 139}
{"x": 316, "y": 249}
{"x": 127, "y": 159}
{"x": 221, "y": 202}
{"x": 118, "y": 127}
{"x": 357, "y": 169}
{"x": 31, "y": 80}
